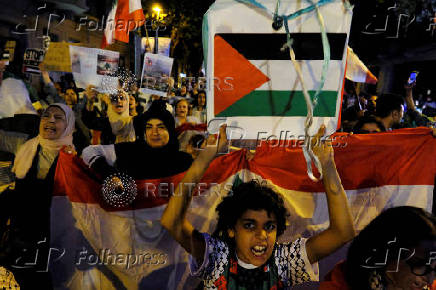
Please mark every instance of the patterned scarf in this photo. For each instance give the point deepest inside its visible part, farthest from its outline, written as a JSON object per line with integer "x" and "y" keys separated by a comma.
{"x": 236, "y": 277}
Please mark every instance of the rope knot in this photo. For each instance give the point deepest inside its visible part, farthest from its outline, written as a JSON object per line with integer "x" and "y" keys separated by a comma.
{"x": 277, "y": 22}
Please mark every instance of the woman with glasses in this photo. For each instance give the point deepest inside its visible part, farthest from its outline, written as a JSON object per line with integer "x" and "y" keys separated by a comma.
{"x": 397, "y": 250}
{"x": 118, "y": 126}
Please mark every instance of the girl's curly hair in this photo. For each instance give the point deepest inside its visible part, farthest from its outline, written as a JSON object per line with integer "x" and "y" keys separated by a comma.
{"x": 245, "y": 196}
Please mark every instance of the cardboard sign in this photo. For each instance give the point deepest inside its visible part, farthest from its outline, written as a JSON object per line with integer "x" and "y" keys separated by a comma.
{"x": 32, "y": 59}
{"x": 57, "y": 57}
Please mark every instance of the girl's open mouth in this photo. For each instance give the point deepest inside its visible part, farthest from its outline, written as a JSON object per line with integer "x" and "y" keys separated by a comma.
{"x": 258, "y": 251}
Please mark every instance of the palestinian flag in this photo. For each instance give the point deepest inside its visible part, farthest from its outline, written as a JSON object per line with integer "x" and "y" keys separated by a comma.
{"x": 99, "y": 247}
{"x": 253, "y": 81}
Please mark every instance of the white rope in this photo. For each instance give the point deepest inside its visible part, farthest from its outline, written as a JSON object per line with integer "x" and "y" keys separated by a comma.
{"x": 307, "y": 148}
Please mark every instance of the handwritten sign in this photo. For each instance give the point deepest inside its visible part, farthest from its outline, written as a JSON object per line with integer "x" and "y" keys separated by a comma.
{"x": 57, "y": 57}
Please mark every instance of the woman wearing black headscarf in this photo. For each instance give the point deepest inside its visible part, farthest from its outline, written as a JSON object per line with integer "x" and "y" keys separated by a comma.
{"x": 154, "y": 154}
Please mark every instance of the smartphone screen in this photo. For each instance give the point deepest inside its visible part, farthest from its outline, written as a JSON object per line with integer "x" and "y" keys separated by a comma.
{"x": 412, "y": 78}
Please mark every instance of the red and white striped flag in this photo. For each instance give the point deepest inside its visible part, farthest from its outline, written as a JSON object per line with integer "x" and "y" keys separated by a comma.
{"x": 357, "y": 70}
{"x": 108, "y": 248}
{"x": 125, "y": 16}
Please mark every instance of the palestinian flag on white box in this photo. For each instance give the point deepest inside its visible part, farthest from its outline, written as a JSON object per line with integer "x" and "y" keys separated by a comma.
{"x": 101, "y": 247}
{"x": 252, "y": 81}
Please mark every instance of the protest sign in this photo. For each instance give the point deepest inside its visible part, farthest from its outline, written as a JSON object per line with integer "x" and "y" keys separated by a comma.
{"x": 10, "y": 49}
{"x": 156, "y": 73}
{"x": 57, "y": 57}
{"x": 32, "y": 59}
{"x": 164, "y": 43}
{"x": 91, "y": 65}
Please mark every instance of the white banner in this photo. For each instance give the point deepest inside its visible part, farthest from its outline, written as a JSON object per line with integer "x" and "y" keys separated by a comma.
{"x": 91, "y": 65}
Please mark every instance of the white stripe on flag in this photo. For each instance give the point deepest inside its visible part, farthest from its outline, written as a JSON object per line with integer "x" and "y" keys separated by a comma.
{"x": 356, "y": 69}
{"x": 87, "y": 232}
{"x": 134, "y": 5}
{"x": 278, "y": 126}
{"x": 110, "y": 25}
{"x": 309, "y": 210}
{"x": 283, "y": 77}
{"x": 254, "y": 20}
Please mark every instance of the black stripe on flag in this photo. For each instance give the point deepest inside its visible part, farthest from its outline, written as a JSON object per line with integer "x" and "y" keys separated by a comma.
{"x": 307, "y": 46}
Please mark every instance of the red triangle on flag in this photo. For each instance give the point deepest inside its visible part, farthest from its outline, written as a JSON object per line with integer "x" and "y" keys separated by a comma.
{"x": 234, "y": 75}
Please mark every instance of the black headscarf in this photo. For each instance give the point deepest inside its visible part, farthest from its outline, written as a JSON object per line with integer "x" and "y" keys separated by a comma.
{"x": 141, "y": 161}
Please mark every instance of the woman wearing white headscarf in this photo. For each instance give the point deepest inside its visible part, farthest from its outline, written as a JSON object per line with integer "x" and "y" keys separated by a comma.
{"x": 28, "y": 206}
{"x": 118, "y": 126}
{"x": 55, "y": 131}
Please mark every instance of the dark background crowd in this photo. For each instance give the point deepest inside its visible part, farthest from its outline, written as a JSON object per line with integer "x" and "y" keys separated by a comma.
{"x": 123, "y": 129}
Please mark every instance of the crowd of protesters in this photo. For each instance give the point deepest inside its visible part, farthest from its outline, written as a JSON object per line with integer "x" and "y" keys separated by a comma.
{"x": 364, "y": 113}
{"x": 126, "y": 129}
{"x": 35, "y": 125}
